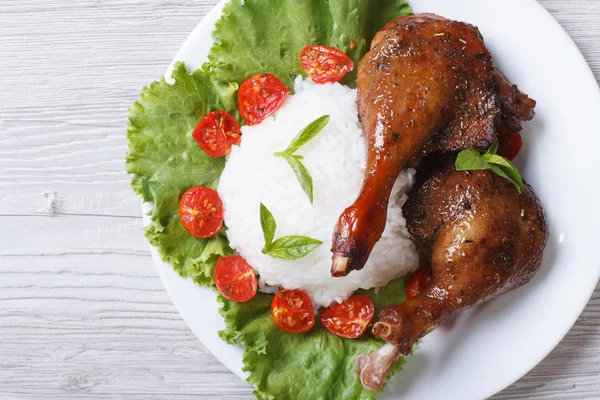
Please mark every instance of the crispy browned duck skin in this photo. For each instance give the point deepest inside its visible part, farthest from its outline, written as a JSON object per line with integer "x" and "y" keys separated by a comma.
{"x": 428, "y": 84}
{"x": 481, "y": 238}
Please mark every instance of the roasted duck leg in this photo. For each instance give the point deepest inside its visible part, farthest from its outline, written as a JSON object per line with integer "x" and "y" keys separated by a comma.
{"x": 428, "y": 84}
{"x": 482, "y": 239}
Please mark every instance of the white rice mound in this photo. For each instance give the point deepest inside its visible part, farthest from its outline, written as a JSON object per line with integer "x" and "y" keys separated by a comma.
{"x": 336, "y": 159}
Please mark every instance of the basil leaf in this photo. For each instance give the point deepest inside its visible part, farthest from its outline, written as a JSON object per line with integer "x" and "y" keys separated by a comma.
{"x": 470, "y": 159}
{"x": 493, "y": 149}
{"x": 292, "y": 247}
{"x": 512, "y": 174}
{"x": 287, "y": 247}
{"x": 281, "y": 154}
{"x": 499, "y": 160}
{"x": 268, "y": 224}
{"x": 306, "y": 134}
{"x": 509, "y": 171}
{"x": 302, "y": 174}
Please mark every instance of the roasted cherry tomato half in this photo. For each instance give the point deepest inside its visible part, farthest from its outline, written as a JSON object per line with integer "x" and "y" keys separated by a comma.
{"x": 217, "y": 132}
{"x": 350, "y": 318}
{"x": 293, "y": 311}
{"x": 235, "y": 279}
{"x": 260, "y": 96}
{"x": 325, "y": 64}
{"x": 417, "y": 282}
{"x": 509, "y": 144}
{"x": 201, "y": 211}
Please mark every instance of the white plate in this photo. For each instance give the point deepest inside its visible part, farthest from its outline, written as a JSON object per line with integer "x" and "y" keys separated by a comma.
{"x": 486, "y": 349}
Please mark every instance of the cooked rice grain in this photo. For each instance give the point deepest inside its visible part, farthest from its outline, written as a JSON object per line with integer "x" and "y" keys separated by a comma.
{"x": 336, "y": 160}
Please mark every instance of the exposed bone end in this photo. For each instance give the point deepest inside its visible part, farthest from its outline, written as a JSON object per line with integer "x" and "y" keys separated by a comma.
{"x": 372, "y": 368}
{"x": 341, "y": 266}
{"x": 387, "y": 331}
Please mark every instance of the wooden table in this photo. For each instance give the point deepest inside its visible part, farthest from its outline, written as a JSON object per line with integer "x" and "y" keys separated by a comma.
{"x": 83, "y": 313}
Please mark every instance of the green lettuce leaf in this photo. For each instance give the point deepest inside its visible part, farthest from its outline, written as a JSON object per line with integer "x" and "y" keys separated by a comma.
{"x": 256, "y": 36}
{"x": 312, "y": 365}
{"x": 165, "y": 161}
{"x": 253, "y": 36}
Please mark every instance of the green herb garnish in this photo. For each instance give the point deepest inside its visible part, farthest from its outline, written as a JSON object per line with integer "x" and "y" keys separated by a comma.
{"x": 285, "y": 248}
{"x": 305, "y": 135}
{"x": 472, "y": 159}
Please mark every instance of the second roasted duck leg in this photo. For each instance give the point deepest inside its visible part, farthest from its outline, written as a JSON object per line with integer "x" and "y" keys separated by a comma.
{"x": 481, "y": 238}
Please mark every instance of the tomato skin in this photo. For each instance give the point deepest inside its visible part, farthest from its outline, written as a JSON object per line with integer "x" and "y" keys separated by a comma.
{"x": 509, "y": 144}
{"x": 325, "y": 64}
{"x": 351, "y": 318}
{"x": 217, "y": 132}
{"x": 201, "y": 211}
{"x": 417, "y": 282}
{"x": 260, "y": 96}
{"x": 292, "y": 311}
{"x": 235, "y": 279}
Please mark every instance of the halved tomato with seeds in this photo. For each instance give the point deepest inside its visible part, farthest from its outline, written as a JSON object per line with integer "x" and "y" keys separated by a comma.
{"x": 201, "y": 211}
{"x": 260, "y": 96}
{"x": 350, "y": 318}
{"x": 235, "y": 279}
{"x": 292, "y": 311}
{"x": 217, "y": 132}
{"x": 325, "y": 64}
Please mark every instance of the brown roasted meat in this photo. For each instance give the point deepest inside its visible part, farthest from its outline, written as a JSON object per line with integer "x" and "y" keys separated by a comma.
{"x": 428, "y": 84}
{"x": 480, "y": 237}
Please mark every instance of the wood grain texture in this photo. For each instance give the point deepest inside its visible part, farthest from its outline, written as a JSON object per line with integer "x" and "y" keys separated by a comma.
{"x": 83, "y": 314}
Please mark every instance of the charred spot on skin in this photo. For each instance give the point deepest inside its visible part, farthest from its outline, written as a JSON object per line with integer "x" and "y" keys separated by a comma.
{"x": 419, "y": 216}
{"x": 482, "y": 56}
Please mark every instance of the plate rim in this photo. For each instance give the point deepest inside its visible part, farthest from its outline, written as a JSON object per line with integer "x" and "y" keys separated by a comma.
{"x": 160, "y": 265}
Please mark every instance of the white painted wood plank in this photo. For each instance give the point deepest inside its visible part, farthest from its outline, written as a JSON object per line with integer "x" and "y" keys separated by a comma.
{"x": 82, "y": 313}
{"x": 73, "y": 328}
{"x": 80, "y": 234}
